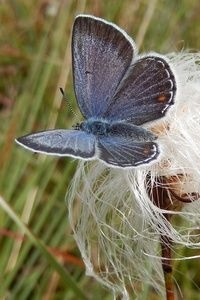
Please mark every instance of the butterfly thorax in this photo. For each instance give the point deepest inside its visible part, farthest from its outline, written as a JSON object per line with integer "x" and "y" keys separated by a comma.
{"x": 96, "y": 127}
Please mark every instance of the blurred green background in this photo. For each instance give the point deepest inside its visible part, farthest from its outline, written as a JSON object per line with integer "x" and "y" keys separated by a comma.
{"x": 35, "y": 60}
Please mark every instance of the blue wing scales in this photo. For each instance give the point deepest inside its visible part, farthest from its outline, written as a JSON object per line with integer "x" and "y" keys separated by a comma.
{"x": 123, "y": 152}
{"x": 60, "y": 142}
{"x": 127, "y": 146}
{"x": 145, "y": 93}
{"x": 101, "y": 54}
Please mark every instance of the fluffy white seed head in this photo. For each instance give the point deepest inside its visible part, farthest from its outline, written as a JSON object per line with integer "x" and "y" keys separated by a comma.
{"x": 116, "y": 225}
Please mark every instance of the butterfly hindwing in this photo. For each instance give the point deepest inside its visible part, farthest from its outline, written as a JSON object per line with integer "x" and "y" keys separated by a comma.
{"x": 60, "y": 142}
{"x": 127, "y": 146}
{"x": 101, "y": 54}
{"x": 145, "y": 93}
{"x": 123, "y": 152}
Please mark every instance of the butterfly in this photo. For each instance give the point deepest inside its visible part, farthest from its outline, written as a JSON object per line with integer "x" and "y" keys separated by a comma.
{"x": 117, "y": 91}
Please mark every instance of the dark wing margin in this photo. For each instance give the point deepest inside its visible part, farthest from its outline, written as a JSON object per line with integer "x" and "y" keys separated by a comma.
{"x": 101, "y": 54}
{"x": 145, "y": 93}
{"x": 60, "y": 142}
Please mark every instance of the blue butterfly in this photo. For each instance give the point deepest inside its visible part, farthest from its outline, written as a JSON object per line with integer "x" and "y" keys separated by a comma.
{"x": 116, "y": 91}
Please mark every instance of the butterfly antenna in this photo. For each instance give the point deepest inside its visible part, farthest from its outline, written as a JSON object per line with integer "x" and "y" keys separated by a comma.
{"x": 67, "y": 100}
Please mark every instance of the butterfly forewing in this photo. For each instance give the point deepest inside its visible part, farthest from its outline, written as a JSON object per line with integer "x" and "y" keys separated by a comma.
{"x": 101, "y": 54}
{"x": 145, "y": 93}
{"x": 60, "y": 142}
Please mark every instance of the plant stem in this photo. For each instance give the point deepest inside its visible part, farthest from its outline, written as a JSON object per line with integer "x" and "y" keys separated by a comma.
{"x": 160, "y": 197}
{"x": 166, "y": 252}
